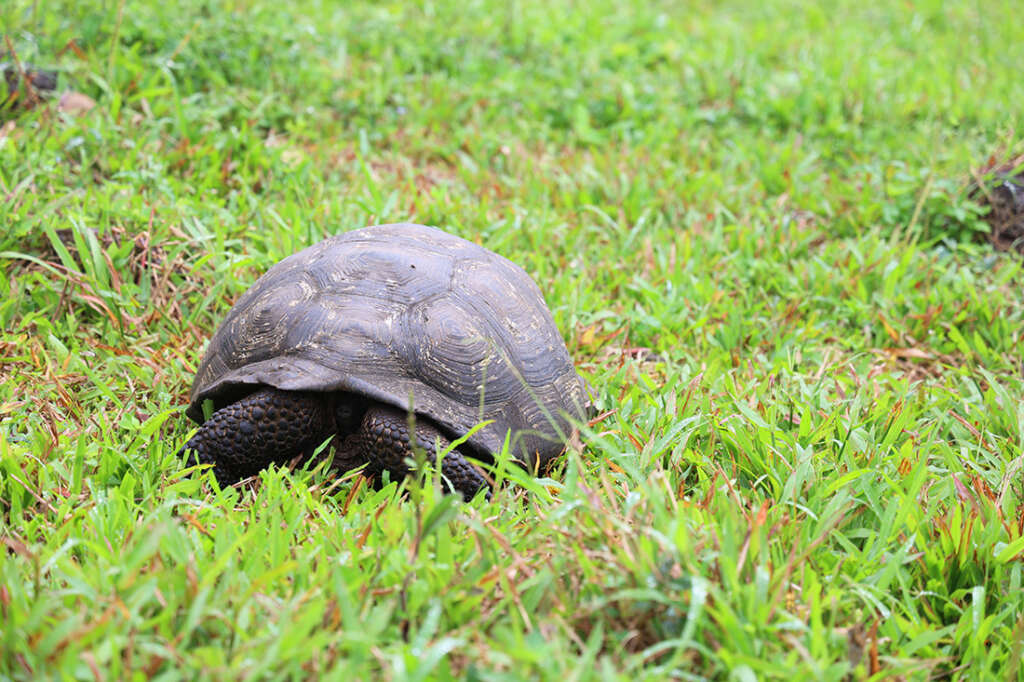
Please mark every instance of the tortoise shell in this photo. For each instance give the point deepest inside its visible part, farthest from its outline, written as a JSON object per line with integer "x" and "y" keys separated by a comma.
{"x": 412, "y": 317}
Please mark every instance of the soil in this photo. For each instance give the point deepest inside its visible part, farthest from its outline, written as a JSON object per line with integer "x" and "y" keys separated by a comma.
{"x": 1003, "y": 190}
{"x": 24, "y": 83}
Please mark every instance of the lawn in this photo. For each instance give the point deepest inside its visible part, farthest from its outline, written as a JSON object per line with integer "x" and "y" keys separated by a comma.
{"x": 751, "y": 222}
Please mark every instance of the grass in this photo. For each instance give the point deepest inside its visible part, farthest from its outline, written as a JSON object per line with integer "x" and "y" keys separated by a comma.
{"x": 750, "y": 222}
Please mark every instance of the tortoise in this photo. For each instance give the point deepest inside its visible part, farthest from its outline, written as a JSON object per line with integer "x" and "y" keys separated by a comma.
{"x": 354, "y": 335}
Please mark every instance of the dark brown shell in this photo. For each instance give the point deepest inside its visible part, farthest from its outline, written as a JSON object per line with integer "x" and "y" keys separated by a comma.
{"x": 412, "y": 317}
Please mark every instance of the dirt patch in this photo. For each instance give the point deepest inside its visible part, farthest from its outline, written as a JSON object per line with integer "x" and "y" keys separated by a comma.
{"x": 1001, "y": 187}
{"x": 25, "y": 83}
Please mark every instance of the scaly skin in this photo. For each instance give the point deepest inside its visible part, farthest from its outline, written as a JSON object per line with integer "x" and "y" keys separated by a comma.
{"x": 383, "y": 440}
{"x": 264, "y": 428}
{"x": 273, "y": 426}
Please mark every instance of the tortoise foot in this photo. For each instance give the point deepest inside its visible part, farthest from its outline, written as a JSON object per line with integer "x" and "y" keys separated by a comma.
{"x": 383, "y": 439}
{"x": 264, "y": 428}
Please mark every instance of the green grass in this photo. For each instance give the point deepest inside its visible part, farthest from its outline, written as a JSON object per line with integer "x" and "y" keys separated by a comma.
{"x": 749, "y": 221}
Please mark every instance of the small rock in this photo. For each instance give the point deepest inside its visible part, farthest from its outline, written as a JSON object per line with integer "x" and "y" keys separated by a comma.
{"x": 75, "y": 103}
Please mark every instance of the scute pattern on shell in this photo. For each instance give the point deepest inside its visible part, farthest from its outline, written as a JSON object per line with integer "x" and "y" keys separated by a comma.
{"x": 410, "y": 316}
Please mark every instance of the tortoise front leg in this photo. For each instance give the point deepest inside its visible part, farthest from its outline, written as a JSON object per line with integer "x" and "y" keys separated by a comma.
{"x": 264, "y": 428}
{"x": 383, "y": 439}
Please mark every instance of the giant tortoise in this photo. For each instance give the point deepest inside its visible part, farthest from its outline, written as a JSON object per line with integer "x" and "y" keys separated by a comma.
{"x": 352, "y": 336}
